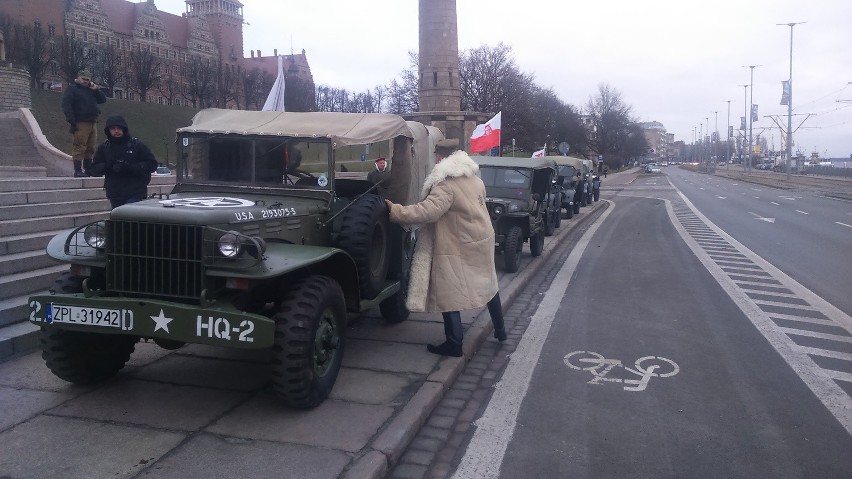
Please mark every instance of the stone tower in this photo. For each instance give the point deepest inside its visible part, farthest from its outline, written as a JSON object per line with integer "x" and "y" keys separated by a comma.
{"x": 439, "y": 92}
{"x": 439, "y": 56}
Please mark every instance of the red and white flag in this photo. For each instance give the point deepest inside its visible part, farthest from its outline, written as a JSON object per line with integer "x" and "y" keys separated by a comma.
{"x": 538, "y": 154}
{"x": 486, "y": 136}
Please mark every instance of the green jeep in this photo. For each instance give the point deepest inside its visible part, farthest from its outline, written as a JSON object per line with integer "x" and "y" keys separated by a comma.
{"x": 518, "y": 199}
{"x": 272, "y": 233}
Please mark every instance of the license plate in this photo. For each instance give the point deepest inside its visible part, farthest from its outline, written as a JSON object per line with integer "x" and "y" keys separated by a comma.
{"x": 60, "y": 313}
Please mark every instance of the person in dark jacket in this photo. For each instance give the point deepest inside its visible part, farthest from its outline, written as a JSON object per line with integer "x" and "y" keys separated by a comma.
{"x": 125, "y": 162}
{"x": 80, "y": 105}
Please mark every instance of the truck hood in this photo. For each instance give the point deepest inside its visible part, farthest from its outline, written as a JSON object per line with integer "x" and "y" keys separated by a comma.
{"x": 207, "y": 209}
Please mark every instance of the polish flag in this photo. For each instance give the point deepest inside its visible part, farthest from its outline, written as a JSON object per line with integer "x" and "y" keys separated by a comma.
{"x": 486, "y": 136}
{"x": 538, "y": 154}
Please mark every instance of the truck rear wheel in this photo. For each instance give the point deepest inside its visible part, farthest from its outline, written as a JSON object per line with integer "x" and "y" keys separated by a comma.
{"x": 308, "y": 347}
{"x": 80, "y": 357}
{"x": 512, "y": 246}
{"x": 364, "y": 235}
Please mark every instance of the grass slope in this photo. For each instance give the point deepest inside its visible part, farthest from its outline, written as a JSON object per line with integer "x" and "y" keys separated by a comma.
{"x": 152, "y": 123}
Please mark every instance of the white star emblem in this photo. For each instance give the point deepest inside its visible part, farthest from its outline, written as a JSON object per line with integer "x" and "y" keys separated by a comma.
{"x": 162, "y": 322}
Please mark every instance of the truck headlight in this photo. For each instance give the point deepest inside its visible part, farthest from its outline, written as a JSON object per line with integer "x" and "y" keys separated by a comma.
{"x": 230, "y": 245}
{"x": 95, "y": 235}
{"x": 497, "y": 210}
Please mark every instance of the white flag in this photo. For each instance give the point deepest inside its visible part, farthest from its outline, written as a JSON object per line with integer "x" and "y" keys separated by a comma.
{"x": 275, "y": 100}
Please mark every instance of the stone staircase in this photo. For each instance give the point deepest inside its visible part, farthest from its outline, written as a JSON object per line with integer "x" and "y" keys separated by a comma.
{"x": 32, "y": 211}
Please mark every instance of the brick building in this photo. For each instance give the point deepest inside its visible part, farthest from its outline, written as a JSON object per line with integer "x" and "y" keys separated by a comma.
{"x": 209, "y": 32}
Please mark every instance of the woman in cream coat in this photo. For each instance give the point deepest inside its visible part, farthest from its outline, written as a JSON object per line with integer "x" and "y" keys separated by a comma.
{"x": 453, "y": 265}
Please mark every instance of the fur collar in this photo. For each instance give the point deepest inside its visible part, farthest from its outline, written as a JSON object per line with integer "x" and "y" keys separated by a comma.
{"x": 455, "y": 165}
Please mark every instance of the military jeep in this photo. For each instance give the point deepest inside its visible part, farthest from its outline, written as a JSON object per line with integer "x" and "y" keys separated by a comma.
{"x": 565, "y": 182}
{"x": 517, "y": 199}
{"x": 271, "y": 235}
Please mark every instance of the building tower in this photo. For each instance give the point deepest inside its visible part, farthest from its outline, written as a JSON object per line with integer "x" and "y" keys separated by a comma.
{"x": 439, "y": 56}
{"x": 439, "y": 91}
{"x": 224, "y": 18}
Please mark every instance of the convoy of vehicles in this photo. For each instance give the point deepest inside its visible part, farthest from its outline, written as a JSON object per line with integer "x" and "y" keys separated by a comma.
{"x": 268, "y": 239}
{"x": 520, "y": 202}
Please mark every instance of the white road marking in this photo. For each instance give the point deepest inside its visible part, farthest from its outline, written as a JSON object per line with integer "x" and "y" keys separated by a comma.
{"x": 494, "y": 429}
{"x": 835, "y": 399}
{"x": 758, "y": 217}
{"x": 721, "y": 197}
{"x": 776, "y": 204}
{"x": 802, "y": 212}
{"x": 843, "y": 224}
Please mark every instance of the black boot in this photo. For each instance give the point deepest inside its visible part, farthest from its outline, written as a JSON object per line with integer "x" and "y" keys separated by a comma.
{"x": 447, "y": 348}
{"x": 495, "y": 309}
{"x": 78, "y": 169}
{"x": 454, "y": 333}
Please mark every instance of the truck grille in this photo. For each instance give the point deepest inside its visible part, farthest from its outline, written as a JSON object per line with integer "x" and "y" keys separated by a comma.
{"x": 154, "y": 259}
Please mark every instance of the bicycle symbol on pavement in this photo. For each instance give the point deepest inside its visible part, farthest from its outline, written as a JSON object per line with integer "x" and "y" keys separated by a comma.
{"x": 646, "y": 367}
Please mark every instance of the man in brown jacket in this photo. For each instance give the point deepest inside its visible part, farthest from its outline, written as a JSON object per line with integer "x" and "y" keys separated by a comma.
{"x": 453, "y": 265}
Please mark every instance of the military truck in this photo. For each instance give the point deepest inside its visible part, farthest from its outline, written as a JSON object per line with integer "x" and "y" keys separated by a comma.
{"x": 271, "y": 235}
{"x": 517, "y": 193}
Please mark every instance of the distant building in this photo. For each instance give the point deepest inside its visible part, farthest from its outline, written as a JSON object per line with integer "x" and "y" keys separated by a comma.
{"x": 659, "y": 141}
{"x": 209, "y": 32}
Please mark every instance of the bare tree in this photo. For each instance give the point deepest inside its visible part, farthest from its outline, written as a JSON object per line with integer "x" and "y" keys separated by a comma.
{"x": 403, "y": 94}
{"x": 299, "y": 94}
{"x": 73, "y": 57}
{"x": 201, "y": 82}
{"x": 108, "y": 68}
{"x": 144, "y": 71}
{"x": 613, "y": 125}
{"x": 32, "y": 48}
{"x": 170, "y": 85}
{"x": 256, "y": 85}
{"x": 225, "y": 83}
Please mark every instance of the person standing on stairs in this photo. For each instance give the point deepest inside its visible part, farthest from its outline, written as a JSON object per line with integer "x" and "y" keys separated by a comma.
{"x": 125, "y": 162}
{"x": 80, "y": 106}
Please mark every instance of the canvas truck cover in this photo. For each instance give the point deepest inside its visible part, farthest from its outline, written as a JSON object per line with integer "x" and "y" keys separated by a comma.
{"x": 343, "y": 129}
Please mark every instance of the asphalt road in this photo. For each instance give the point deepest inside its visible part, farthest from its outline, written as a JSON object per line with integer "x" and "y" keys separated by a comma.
{"x": 663, "y": 348}
{"x": 806, "y": 235}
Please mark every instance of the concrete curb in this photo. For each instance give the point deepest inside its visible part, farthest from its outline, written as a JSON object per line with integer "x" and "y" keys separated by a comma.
{"x": 392, "y": 442}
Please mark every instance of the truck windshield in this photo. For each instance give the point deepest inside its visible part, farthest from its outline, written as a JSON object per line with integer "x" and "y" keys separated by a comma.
{"x": 504, "y": 177}
{"x": 263, "y": 161}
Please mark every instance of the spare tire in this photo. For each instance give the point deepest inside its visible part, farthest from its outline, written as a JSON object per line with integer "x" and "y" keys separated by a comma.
{"x": 364, "y": 235}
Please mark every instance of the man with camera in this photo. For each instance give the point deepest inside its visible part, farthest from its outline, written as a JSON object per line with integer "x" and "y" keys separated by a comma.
{"x": 80, "y": 106}
{"x": 125, "y": 162}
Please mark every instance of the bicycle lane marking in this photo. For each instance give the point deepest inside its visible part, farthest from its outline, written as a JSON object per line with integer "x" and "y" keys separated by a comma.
{"x": 486, "y": 449}
{"x": 600, "y": 367}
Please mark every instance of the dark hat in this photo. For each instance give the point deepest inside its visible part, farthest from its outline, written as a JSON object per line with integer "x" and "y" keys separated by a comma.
{"x": 447, "y": 146}
{"x": 85, "y": 74}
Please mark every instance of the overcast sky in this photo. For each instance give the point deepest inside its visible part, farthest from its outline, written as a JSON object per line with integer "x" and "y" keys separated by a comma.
{"x": 674, "y": 61}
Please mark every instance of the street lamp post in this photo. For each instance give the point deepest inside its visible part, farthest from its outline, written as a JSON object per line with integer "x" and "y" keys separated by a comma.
{"x": 790, "y": 101}
{"x": 707, "y": 164}
{"x": 750, "y": 122}
{"x": 716, "y": 139}
{"x": 728, "y": 138}
{"x": 700, "y": 142}
{"x": 745, "y": 118}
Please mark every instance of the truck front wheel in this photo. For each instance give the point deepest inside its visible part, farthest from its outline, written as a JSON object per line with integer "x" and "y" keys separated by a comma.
{"x": 308, "y": 347}
{"x": 78, "y": 357}
{"x": 512, "y": 246}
